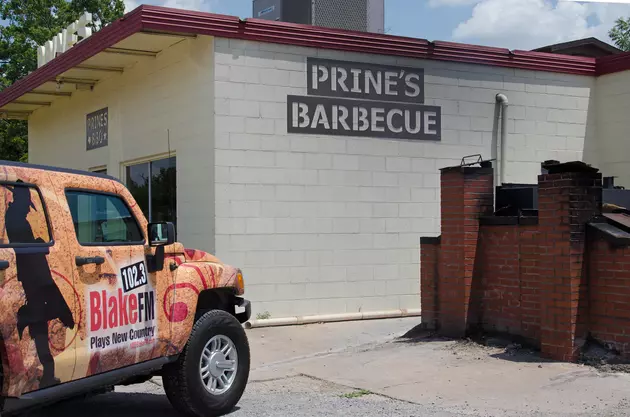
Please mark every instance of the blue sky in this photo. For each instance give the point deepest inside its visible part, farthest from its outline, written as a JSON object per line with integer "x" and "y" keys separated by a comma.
{"x": 514, "y": 24}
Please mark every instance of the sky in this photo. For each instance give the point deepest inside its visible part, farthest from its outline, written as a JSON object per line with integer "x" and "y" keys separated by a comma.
{"x": 513, "y": 24}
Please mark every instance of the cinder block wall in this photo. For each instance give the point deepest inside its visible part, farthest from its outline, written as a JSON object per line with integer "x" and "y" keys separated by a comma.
{"x": 329, "y": 224}
{"x": 539, "y": 278}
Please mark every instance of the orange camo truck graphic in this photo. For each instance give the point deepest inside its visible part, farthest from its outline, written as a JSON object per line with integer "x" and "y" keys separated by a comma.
{"x": 87, "y": 289}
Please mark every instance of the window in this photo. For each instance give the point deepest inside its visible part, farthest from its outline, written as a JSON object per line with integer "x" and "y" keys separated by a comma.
{"x": 153, "y": 185}
{"x": 102, "y": 219}
{"x": 99, "y": 170}
{"x": 23, "y": 219}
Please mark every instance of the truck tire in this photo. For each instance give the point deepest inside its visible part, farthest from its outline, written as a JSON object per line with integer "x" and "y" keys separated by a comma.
{"x": 210, "y": 375}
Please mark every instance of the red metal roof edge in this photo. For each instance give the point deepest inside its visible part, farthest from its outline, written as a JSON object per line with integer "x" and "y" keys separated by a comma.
{"x": 613, "y": 63}
{"x": 164, "y": 19}
{"x": 158, "y": 18}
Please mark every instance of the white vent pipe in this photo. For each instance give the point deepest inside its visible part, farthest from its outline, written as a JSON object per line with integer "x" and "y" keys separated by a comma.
{"x": 502, "y": 144}
{"x": 328, "y": 318}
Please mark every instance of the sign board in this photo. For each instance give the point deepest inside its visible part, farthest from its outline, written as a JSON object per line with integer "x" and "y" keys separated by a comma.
{"x": 266, "y": 10}
{"x": 64, "y": 40}
{"x": 97, "y": 129}
{"x": 361, "y": 99}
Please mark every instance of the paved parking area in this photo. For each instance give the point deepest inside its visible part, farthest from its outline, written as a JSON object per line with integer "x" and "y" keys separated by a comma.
{"x": 364, "y": 369}
{"x": 298, "y": 396}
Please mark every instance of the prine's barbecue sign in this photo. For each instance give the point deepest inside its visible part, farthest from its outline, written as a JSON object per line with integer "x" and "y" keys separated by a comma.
{"x": 357, "y": 99}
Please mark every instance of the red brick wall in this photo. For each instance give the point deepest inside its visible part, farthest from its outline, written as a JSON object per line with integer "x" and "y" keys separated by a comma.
{"x": 609, "y": 295}
{"x": 531, "y": 282}
{"x": 542, "y": 279}
{"x": 429, "y": 255}
{"x": 466, "y": 195}
{"x": 510, "y": 300}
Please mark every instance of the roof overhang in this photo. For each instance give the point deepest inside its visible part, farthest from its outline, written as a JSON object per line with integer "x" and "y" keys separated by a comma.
{"x": 147, "y": 30}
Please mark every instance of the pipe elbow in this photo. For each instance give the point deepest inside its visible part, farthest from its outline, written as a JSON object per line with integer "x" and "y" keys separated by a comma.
{"x": 502, "y": 98}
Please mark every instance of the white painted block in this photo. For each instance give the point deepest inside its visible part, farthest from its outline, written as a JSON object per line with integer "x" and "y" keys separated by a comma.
{"x": 317, "y": 161}
{"x": 386, "y": 210}
{"x": 384, "y": 179}
{"x": 223, "y": 89}
{"x": 259, "y": 259}
{"x": 230, "y": 226}
{"x": 259, "y": 125}
{"x": 372, "y": 225}
{"x": 289, "y": 160}
{"x": 411, "y": 210}
{"x": 258, "y": 92}
{"x": 244, "y": 74}
{"x": 245, "y": 141}
{"x": 274, "y": 143}
{"x": 260, "y": 225}
{"x": 274, "y": 76}
{"x": 230, "y": 124}
{"x": 375, "y": 194}
{"x": 398, "y": 164}
{"x": 346, "y": 225}
{"x": 246, "y": 108}
{"x": 290, "y": 258}
{"x": 273, "y": 110}
{"x": 346, "y": 162}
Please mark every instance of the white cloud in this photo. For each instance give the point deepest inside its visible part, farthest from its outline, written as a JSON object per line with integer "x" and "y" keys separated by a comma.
{"x": 527, "y": 24}
{"x": 438, "y": 3}
{"x": 130, "y": 5}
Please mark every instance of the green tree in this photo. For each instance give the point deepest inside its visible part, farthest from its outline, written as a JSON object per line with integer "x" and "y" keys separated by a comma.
{"x": 620, "y": 33}
{"x": 27, "y": 24}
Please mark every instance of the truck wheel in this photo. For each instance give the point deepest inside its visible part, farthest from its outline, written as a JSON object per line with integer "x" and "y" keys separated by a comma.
{"x": 211, "y": 373}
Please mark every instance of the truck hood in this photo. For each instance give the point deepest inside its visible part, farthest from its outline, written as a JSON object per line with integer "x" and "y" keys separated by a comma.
{"x": 195, "y": 255}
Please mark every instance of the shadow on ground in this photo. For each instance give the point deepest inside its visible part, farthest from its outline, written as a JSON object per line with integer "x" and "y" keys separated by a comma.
{"x": 503, "y": 347}
{"x": 517, "y": 349}
{"x": 111, "y": 404}
{"x": 108, "y": 405}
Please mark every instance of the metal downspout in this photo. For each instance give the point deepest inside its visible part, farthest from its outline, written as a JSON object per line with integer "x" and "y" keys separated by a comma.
{"x": 503, "y": 101}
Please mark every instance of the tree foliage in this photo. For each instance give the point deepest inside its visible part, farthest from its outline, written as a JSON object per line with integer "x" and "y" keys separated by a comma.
{"x": 620, "y": 33}
{"x": 27, "y": 24}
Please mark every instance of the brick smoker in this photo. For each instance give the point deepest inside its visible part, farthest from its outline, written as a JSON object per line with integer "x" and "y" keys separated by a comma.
{"x": 556, "y": 277}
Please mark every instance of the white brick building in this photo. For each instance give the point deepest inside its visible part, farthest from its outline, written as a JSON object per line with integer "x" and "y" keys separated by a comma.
{"x": 320, "y": 223}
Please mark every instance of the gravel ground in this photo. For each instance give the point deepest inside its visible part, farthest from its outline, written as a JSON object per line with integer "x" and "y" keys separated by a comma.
{"x": 297, "y": 396}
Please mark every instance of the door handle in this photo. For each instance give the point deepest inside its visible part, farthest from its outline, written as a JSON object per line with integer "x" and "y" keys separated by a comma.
{"x": 81, "y": 261}
{"x": 4, "y": 265}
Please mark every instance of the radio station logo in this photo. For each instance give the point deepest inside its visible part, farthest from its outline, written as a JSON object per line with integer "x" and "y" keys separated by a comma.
{"x": 125, "y": 317}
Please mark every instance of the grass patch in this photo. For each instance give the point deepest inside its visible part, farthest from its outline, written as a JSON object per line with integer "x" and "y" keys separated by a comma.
{"x": 356, "y": 394}
{"x": 263, "y": 316}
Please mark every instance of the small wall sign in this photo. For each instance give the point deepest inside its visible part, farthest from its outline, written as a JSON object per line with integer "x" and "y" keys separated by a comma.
{"x": 97, "y": 129}
{"x": 360, "y": 99}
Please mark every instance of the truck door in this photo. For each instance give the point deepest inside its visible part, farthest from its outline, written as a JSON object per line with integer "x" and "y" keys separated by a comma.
{"x": 38, "y": 319}
{"x": 120, "y": 297}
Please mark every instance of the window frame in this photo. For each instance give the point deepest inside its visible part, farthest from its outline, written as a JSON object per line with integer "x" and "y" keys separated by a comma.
{"x": 105, "y": 193}
{"x": 51, "y": 237}
{"x": 101, "y": 169}
{"x": 148, "y": 160}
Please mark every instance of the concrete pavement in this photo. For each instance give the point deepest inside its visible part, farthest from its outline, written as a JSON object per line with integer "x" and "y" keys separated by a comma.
{"x": 315, "y": 370}
{"x": 456, "y": 377}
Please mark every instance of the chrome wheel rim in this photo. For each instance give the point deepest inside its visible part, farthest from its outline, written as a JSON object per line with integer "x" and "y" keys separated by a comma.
{"x": 218, "y": 365}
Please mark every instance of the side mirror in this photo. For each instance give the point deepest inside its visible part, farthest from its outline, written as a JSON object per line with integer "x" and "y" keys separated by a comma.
{"x": 161, "y": 234}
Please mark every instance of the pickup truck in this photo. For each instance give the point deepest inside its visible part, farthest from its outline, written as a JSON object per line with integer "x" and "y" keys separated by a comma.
{"x": 93, "y": 296}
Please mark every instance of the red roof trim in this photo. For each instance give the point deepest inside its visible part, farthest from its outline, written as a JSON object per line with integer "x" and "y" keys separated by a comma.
{"x": 613, "y": 63}
{"x": 154, "y": 18}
